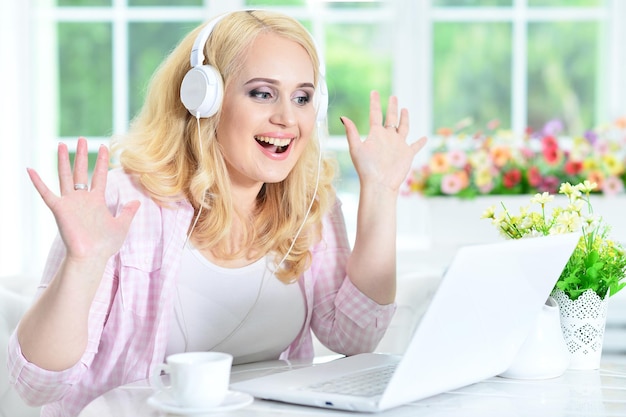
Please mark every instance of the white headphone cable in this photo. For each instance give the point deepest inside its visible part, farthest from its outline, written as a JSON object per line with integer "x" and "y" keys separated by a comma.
{"x": 180, "y": 319}
{"x": 193, "y": 226}
{"x": 263, "y": 280}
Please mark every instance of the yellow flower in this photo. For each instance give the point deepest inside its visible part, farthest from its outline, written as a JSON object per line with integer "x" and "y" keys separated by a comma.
{"x": 566, "y": 222}
{"x": 479, "y": 159}
{"x": 581, "y": 148}
{"x": 570, "y": 191}
{"x": 613, "y": 164}
{"x": 591, "y": 164}
{"x": 590, "y": 222}
{"x": 587, "y": 186}
{"x": 500, "y": 220}
{"x": 530, "y": 220}
{"x": 575, "y": 206}
{"x": 542, "y": 198}
{"x": 483, "y": 177}
{"x": 489, "y": 213}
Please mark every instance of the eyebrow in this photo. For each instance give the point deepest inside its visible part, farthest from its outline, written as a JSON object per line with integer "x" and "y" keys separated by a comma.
{"x": 275, "y": 82}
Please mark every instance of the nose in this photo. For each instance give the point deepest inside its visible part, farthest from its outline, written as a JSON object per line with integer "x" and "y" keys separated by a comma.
{"x": 283, "y": 113}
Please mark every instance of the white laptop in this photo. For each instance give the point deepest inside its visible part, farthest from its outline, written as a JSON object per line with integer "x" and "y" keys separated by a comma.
{"x": 479, "y": 317}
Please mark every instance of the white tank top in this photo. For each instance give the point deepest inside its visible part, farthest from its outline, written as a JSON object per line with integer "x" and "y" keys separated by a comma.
{"x": 246, "y": 312}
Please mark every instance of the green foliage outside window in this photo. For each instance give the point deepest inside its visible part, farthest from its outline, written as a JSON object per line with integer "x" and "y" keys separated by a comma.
{"x": 149, "y": 45}
{"x": 85, "y": 79}
{"x": 562, "y": 74}
{"x": 355, "y": 65}
{"x": 357, "y": 61}
{"x": 471, "y": 73}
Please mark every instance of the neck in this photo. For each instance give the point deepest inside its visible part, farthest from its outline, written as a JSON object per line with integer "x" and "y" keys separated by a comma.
{"x": 245, "y": 199}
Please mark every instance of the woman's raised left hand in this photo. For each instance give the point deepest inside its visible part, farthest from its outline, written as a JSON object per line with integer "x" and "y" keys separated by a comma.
{"x": 384, "y": 158}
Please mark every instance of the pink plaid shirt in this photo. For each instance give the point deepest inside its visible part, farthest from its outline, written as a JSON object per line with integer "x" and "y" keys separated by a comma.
{"x": 130, "y": 315}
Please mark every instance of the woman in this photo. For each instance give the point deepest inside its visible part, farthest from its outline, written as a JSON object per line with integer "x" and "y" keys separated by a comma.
{"x": 219, "y": 231}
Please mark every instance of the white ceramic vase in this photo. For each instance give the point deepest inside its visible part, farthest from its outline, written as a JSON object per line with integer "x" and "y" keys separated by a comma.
{"x": 544, "y": 353}
{"x": 583, "y": 322}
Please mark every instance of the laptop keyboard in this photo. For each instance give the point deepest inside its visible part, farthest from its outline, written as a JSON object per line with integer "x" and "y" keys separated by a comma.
{"x": 367, "y": 383}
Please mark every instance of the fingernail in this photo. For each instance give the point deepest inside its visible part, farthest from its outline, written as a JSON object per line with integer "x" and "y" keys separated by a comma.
{"x": 341, "y": 120}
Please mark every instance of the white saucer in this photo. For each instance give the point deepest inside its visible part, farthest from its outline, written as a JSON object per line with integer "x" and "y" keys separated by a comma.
{"x": 163, "y": 401}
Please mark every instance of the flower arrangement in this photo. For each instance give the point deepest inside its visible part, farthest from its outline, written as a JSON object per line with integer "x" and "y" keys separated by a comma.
{"x": 597, "y": 263}
{"x": 495, "y": 162}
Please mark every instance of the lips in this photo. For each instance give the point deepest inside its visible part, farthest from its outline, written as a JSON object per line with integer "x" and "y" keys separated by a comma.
{"x": 274, "y": 145}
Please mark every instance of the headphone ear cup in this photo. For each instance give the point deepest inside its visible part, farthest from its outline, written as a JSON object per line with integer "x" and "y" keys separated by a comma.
{"x": 321, "y": 101}
{"x": 202, "y": 91}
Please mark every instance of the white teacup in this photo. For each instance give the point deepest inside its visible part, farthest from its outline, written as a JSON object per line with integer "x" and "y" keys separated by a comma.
{"x": 197, "y": 379}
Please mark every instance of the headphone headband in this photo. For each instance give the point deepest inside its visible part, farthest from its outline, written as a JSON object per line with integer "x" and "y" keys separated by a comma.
{"x": 197, "y": 51}
{"x": 202, "y": 88}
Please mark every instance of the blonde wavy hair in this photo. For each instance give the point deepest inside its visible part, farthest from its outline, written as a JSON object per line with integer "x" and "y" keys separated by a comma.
{"x": 163, "y": 151}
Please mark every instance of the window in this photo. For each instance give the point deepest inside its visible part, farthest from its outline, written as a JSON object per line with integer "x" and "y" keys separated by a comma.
{"x": 518, "y": 61}
{"x": 522, "y": 62}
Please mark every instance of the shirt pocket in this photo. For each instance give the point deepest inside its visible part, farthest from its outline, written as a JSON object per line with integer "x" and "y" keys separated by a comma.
{"x": 139, "y": 281}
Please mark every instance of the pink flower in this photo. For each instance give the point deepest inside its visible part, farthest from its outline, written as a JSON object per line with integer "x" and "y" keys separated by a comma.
{"x": 612, "y": 186}
{"x": 601, "y": 147}
{"x": 451, "y": 184}
{"x": 553, "y": 127}
{"x": 493, "y": 124}
{"x": 457, "y": 158}
{"x": 486, "y": 188}
{"x": 526, "y": 152}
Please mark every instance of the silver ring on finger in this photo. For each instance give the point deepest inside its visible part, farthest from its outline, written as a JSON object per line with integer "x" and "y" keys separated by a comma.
{"x": 394, "y": 126}
{"x": 81, "y": 186}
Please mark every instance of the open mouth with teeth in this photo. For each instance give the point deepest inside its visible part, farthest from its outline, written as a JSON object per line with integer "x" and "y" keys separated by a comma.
{"x": 274, "y": 145}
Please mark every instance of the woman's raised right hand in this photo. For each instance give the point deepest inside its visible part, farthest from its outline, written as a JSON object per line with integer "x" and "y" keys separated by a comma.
{"x": 85, "y": 224}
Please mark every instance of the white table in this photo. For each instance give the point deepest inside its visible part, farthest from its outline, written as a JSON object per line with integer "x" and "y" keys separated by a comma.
{"x": 576, "y": 393}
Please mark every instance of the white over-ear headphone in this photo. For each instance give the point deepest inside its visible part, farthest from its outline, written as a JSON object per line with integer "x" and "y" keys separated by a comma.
{"x": 202, "y": 88}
